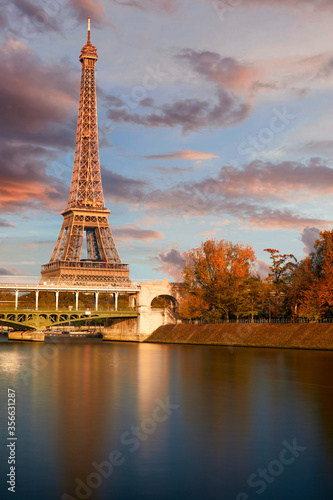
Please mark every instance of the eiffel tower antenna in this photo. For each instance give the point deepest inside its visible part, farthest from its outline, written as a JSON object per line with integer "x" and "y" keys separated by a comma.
{"x": 85, "y": 222}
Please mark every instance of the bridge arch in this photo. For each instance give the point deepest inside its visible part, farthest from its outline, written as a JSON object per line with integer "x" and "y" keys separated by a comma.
{"x": 150, "y": 290}
{"x": 151, "y": 317}
{"x": 164, "y": 301}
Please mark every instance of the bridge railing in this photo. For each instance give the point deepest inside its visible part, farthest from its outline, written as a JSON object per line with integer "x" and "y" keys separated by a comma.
{"x": 67, "y": 310}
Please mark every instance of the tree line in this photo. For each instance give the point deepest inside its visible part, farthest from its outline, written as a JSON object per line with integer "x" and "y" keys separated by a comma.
{"x": 221, "y": 283}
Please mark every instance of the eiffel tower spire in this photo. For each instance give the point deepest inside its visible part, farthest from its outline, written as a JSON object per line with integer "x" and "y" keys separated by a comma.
{"x": 86, "y": 187}
{"x": 86, "y": 214}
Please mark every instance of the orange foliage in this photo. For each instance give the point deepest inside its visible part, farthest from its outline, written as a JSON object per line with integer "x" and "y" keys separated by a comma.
{"x": 216, "y": 277}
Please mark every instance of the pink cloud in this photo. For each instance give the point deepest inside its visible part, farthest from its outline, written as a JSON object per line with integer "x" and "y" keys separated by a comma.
{"x": 227, "y": 72}
{"x": 134, "y": 232}
{"x": 183, "y": 155}
{"x": 92, "y": 8}
{"x": 24, "y": 181}
{"x": 280, "y": 180}
{"x": 168, "y": 6}
{"x": 302, "y": 5}
{"x": 256, "y": 194}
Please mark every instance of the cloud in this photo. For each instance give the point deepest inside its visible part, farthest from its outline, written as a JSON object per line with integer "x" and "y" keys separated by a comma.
{"x": 302, "y": 5}
{"x": 326, "y": 69}
{"x": 24, "y": 181}
{"x": 263, "y": 269}
{"x": 190, "y": 114}
{"x": 37, "y": 100}
{"x": 227, "y": 72}
{"x": 264, "y": 180}
{"x": 122, "y": 189}
{"x": 171, "y": 171}
{"x": 4, "y": 223}
{"x": 7, "y": 272}
{"x": 252, "y": 193}
{"x": 134, "y": 232}
{"x": 172, "y": 263}
{"x": 245, "y": 78}
{"x": 322, "y": 147}
{"x": 182, "y": 155}
{"x": 168, "y": 6}
{"x": 26, "y": 18}
{"x": 309, "y": 237}
{"x": 37, "y": 244}
{"x": 94, "y": 8}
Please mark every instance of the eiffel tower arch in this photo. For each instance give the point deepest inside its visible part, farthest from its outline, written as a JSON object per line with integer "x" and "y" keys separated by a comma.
{"x": 85, "y": 253}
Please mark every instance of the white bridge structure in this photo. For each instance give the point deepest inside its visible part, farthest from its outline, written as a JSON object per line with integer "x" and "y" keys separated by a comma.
{"x": 133, "y": 322}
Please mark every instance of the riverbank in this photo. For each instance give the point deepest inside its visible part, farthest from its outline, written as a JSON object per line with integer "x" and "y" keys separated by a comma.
{"x": 288, "y": 335}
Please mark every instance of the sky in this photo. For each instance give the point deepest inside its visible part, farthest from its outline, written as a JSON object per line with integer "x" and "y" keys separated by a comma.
{"x": 215, "y": 120}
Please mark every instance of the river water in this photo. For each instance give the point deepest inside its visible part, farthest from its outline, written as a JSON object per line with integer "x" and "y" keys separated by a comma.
{"x": 127, "y": 421}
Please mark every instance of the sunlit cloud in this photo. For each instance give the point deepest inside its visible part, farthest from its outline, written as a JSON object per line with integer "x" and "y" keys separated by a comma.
{"x": 227, "y": 72}
{"x": 183, "y": 155}
{"x": 134, "y": 232}
{"x": 168, "y": 6}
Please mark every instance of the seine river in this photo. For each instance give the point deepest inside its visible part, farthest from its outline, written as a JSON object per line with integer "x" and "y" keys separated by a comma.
{"x": 126, "y": 421}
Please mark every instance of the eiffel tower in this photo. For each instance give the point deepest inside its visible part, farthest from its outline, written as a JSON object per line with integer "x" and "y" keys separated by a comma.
{"x": 86, "y": 218}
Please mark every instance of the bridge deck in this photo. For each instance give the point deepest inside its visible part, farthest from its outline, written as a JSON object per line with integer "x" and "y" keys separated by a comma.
{"x": 12, "y": 287}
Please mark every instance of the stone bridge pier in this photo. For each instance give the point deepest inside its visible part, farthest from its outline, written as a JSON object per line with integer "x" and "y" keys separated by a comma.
{"x": 150, "y": 318}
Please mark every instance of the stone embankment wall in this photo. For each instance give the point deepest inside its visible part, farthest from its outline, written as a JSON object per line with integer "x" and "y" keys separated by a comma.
{"x": 123, "y": 330}
{"x": 296, "y": 336}
{"x": 27, "y": 335}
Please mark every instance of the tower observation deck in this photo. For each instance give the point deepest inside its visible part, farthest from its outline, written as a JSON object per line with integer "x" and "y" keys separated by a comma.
{"x": 85, "y": 252}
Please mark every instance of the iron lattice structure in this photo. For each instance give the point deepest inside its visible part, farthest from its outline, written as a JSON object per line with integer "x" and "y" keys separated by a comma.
{"x": 86, "y": 218}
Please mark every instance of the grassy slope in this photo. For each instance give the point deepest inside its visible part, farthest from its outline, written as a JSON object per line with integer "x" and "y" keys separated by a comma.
{"x": 304, "y": 336}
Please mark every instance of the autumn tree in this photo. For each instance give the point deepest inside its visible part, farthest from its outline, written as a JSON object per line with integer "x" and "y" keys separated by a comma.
{"x": 317, "y": 279}
{"x": 217, "y": 277}
{"x": 193, "y": 306}
{"x": 305, "y": 288}
{"x": 281, "y": 276}
{"x": 7, "y": 300}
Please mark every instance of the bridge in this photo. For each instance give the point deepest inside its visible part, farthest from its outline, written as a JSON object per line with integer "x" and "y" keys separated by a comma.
{"x": 41, "y": 319}
{"x": 139, "y": 318}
